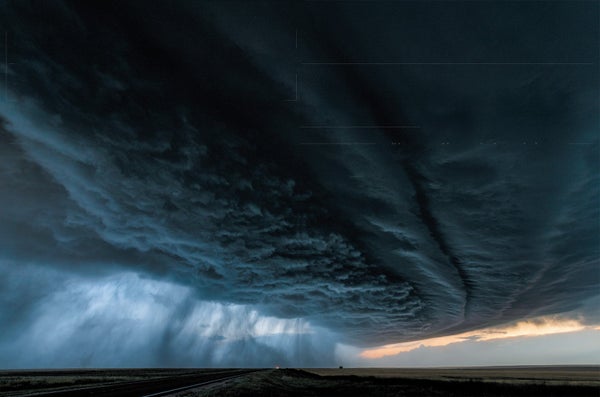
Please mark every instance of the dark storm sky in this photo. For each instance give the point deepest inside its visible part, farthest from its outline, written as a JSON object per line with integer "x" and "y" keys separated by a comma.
{"x": 251, "y": 178}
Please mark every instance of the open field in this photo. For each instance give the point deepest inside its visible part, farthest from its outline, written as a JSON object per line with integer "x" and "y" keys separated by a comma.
{"x": 106, "y": 382}
{"x": 298, "y": 383}
{"x": 551, "y": 375}
{"x": 371, "y": 382}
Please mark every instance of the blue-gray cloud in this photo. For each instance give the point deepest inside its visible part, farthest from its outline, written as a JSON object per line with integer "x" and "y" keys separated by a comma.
{"x": 157, "y": 140}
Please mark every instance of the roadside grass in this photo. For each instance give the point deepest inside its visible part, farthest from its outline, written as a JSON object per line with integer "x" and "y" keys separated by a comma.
{"x": 297, "y": 383}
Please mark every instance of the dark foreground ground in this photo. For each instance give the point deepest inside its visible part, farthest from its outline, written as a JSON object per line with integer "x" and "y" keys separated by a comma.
{"x": 491, "y": 382}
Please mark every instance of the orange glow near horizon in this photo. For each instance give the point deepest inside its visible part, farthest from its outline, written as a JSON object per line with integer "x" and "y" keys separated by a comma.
{"x": 527, "y": 328}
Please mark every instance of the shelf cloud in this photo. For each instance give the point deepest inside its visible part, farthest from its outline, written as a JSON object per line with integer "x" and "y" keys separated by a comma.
{"x": 198, "y": 179}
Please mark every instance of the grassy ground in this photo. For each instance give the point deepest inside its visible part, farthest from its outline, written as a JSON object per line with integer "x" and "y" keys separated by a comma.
{"x": 15, "y": 383}
{"x": 549, "y": 375}
{"x": 297, "y": 383}
{"x": 370, "y": 382}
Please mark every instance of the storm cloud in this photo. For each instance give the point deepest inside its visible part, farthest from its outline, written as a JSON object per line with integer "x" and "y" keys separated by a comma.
{"x": 411, "y": 171}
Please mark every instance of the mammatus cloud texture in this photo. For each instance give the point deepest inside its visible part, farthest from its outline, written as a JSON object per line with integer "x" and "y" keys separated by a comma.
{"x": 232, "y": 183}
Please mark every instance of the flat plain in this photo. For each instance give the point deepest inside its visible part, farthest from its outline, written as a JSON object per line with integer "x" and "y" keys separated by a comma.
{"x": 108, "y": 382}
{"x": 547, "y": 381}
{"x": 387, "y": 382}
{"x": 551, "y": 375}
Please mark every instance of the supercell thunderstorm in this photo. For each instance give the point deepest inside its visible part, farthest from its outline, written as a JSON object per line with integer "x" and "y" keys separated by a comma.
{"x": 160, "y": 190}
